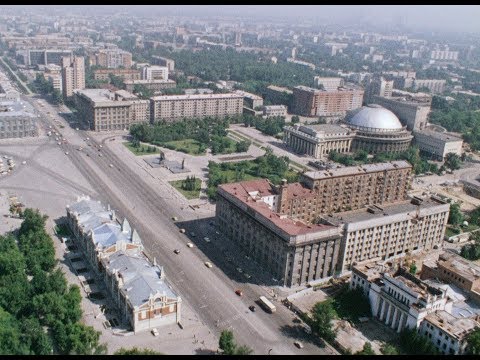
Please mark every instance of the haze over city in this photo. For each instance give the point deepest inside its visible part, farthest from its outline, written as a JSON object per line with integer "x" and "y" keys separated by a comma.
{"x": 239, "y": 179}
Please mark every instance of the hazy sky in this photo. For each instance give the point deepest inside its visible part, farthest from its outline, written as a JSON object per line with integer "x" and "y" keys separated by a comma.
{"x": 435, "y": 17}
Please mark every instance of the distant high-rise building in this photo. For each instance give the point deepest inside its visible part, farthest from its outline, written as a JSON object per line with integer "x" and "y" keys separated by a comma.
{"x": 73, "y": 75}
{"x": 444, "y": 55}
{"x": 238, "y": 38}
{"x": 378, "y": 86}
{"x": 294, "y": 53}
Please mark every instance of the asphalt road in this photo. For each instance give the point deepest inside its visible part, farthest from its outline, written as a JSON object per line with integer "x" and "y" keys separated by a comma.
{"x": 210, "y": 292}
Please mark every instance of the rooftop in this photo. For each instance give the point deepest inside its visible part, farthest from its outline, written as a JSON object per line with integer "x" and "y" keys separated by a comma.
{"x": 444, "y": 136}
{"x": 197, "y": 97}
{"x": 9, "y": 108}
{"x": 407, "y": 207}
{"x": 357, "y": 170}
{"x": 464, "y": 268}
{"x": 456, "y": 327}
{"x": 243, "y": 190}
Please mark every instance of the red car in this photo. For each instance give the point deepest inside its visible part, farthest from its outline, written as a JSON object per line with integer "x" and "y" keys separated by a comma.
{"x": 239, "y": 292}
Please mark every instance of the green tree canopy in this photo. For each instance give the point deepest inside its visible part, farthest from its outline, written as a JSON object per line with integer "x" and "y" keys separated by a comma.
{"x": 136, "y": 351}
{"x": 473, "y": 342}
{"x": 323, "y": 314}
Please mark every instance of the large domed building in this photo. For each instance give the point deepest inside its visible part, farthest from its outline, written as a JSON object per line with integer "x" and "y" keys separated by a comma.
{"x": 377, "y": 130}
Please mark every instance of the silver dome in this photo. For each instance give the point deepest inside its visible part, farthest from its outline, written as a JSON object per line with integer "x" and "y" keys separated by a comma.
{"x": 374, "y": 116}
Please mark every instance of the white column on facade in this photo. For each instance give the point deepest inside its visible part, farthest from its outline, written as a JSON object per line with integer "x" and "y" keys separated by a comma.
{"x": 400, "y": 322}
{"x": 379, "y": 309}
{"x": 394, "y": 319}
{"x": 384, "y": 310}
{"x": 389, "y": 312}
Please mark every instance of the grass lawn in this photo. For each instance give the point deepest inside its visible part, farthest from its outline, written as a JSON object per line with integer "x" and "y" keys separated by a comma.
{"x": 451, "y": 232}
{"x": 188, "y": 146}
{"x": 142, "y": 150}
{"x": 62, "y": 230}
{"x": 194, "y": 194}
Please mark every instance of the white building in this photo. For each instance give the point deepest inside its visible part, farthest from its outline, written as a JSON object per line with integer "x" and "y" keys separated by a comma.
{"x": 155, "y": 73}
{"x": 328, "y": 83}
{"x": 274, "y": 110}
{"x": 438, "y": 144}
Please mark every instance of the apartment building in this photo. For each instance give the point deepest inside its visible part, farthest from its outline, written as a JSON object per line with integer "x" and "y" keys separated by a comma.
{"x": 379, "y": 86}
{"x": 154, "y": 73}
{"x": 127, "y": 74}
{"x": 390, "y": 230}
{"x": 315, "y": 102}
{"x": 114, "y": 251}
{"x": 73, "y": 75}
{"x": 111, "y": 58}
{"x": 104, "y": 110}
{"x": 154, "y": 85}
{"x": 438, "y": 144}
{"x": 175, "y": 107}
{"x": 290, "y": 250}
{"x": 53, "y": 73}
{"x": 435, "y": 86}
{"x": 16, "y": 121}
{"x": 35, "y": 57}
{"x": 412, "y": 112}
{"x": 274, "y": 110}
{"x": 444, "y": 55}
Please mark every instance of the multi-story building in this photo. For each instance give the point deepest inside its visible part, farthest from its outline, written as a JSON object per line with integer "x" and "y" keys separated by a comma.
{"x": 412, "y": 112}
{"x": 437, "y": 144}
{"x": 15, "y": 120}
{"x": 401, "y": 300}
{"x": 162, "y": 61}
{"x": 127, "y": 74}
{"x": 250, "y": 100}
{"x": 154, "y": 85}
{"x": 435, "y": 86}
{"x": 315, "y": 102}
{"x": 53, "y": 73}
{"x": 34, "y": 57}
{"x": 73, "y": 75}
{"x": 328, "y": 83}
{"x": 114, "y": 252}
{"x": 174, "y": 107}
{"x": 111, "y": 58}
{"x": 104, "y": 110}
{"x": 390, "y": 230}
{"x": 155, "y": 73}
{"x": 274, "y": 110}
{"x": 318, "y": 140}
{"x": 290, "y": 250}
{"x": 378, "y": 86}
{"x": 444, "y": 55}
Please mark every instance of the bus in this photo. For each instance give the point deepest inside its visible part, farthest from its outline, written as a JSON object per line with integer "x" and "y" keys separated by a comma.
{"x": 267, "y": 304}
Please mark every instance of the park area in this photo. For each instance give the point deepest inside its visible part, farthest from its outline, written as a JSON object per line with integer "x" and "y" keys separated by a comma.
{"x": 138, "y": 149}
{"x": 190, "y": 187}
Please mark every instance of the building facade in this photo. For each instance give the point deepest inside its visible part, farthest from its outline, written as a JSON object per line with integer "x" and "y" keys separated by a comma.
{"x": 127, "y": 74}
{"x": 162, "y": 61}
{"x": 438, "y": 144}
{"x": 114, "y": 251}
{"x": 412, "y": 113}
{"x": 328, "y": 83}
{"x": 390, "y": 230}
{"x": 291, "y": 251}
{"x": 175, "y": 107}
{"x": 274, "y": 110}
{"x": 15, "y": 121}
{"x": 444, "y": 55}
{"x": 104, "y": 110}
{"x": 318, "y": 140}
{"x": 111, "y": 58}
{"x": 250, "y": 100}
{"x": 73, "y": 75}
{"x": 35, "y": 57}
{"x": 379, "y": 86}
{"x": 435, "y": 86}
{"x": 153, "y": 85}
{"x": 155, "y": 73}
{"x": 315, "y": 102}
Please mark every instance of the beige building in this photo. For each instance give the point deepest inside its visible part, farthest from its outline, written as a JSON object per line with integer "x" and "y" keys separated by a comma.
{"x": 380, "y": 87}
{"x": 53, "y": 73}
{"x": 318, "y": 140}
{"x": 111, "y": 58}
{"x": 274, "y": 110}
{"x": 73, "y": 75}
{"x": 127, "y": 74}
{"x": 438, "y": 144}
{"x": 250, "y": 100}
{"x": 175, "y": 107}
{"x": 390, "y": 230}
{"x": 347, "y": 188}
{"x": 315, "y": 102}
{"x": 412, "y": 112}
{"x": 162, "y": 61}
{"x": 328, "y": 83}
{"x": 435, "y": 86}
{"x": 104, "y": 110}
{"x": 444, "y": 55}
{"x": 290, "y": 250}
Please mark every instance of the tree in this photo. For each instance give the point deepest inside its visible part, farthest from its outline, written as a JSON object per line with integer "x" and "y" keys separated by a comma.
{"x": 226, "y": 342}
{"x": 295, "y": 119}
{"x": 413, "y": 343}
{"x": 242, "y": 146}
{"x": 452, "y": 161}
{"x": 10, "y": 336}
{"x": 455, "y": 217}
{"x": 243, "y": 350}
{"x": 57, "y": 97}
{"x": 367, "y": 349}
{"x": 323, "y": 314}
{"x": 136, "y": 351}
{"x": 389, "y": 349}
{"x": 413, "y": 268}
{"x": 473, "y": 342}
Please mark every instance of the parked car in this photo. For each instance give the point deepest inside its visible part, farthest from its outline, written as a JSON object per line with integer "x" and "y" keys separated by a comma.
{"x": 174, "y": 218}
{"x": 208, "y": 264}
{"x": 155, "y": 332}
{"x": 239, "y": 292}
{"x": 190, "y": 245}
{"x": 176, "y": 251}
{"x": 182, "y": 231}
{"x": 298, "y": 344}
{"x": 252, "y": 308}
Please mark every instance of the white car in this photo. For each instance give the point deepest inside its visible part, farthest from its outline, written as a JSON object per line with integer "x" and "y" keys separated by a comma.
{"x": 66, "y": 152}
{"x": 111, "y": 165}
{"x": 208, "y": 264}
{"x": 155, "y": 332}
{"x": 190, "y": 245}
{"x": 24, "y": 162}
